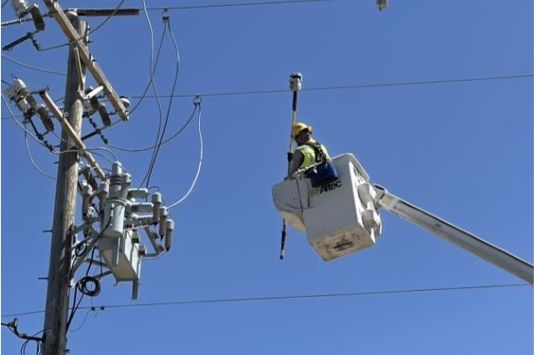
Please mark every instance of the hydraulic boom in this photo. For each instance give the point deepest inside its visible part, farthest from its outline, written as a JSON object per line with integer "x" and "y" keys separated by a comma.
{"x": 455, "y": 235}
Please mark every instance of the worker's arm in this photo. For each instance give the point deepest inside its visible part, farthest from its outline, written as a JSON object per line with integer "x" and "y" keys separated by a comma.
{"x": 296, "y": 161}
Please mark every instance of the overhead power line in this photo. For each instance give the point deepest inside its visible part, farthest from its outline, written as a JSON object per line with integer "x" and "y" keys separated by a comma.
{"x": 282, "y": 298}
{"x": 348, "y": 86}
{"x": 24, "y": 65}
{"x": 237, "y": 4}
{"x": 341, "y": 87}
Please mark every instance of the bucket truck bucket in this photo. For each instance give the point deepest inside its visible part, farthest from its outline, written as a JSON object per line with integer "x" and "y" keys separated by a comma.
{"x": 339, "y": 217}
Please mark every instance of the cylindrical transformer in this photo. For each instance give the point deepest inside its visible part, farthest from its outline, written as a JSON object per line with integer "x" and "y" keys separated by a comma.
{"x": 169, "y": 226}
{"x": 163, "y": 215}
{"x": 114, "y": 218}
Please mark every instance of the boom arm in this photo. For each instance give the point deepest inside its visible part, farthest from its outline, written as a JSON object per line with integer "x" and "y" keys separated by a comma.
{"x": 455, "y": 235}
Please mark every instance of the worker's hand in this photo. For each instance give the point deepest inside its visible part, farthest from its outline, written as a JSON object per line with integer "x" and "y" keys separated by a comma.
{"x": 289, "y": 157}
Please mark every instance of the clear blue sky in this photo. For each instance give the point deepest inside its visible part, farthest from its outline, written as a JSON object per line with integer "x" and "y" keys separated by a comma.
{"x": 463, "y": 151}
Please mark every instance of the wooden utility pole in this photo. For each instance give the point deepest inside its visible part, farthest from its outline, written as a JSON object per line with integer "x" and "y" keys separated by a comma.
{"x": 59, "y": 273}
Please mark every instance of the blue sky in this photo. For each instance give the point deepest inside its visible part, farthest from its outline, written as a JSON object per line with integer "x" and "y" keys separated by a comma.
{"x": 461, "y": 150}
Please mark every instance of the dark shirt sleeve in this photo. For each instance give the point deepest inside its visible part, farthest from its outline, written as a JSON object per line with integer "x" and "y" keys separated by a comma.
{"x": 296, "y": 162}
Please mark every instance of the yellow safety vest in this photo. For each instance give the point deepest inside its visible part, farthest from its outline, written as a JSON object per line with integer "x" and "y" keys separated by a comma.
{"x": 310, "y": 157}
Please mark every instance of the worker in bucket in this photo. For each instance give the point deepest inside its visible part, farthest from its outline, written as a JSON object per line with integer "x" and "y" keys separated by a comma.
{"x": 309, "y": 152}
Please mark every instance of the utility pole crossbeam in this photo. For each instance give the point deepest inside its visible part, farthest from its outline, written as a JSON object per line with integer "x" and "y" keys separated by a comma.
{"x": 72, "y": 134}
{"x": 60, "y": 269}
{"x": 86, "y": 57}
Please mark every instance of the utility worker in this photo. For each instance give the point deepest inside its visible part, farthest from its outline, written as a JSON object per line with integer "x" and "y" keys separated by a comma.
{"x": 308, "y": 152}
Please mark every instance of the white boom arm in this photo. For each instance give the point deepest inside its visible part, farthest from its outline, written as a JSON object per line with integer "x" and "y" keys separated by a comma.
{"x": 455, "y": 235}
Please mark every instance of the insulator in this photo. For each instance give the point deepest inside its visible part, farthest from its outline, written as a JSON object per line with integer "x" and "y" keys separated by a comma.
{"x": 169, "y": 226}
{"x": 20, "y": 6}
{"x": 163, "y": 215}
{"x": 103, "y": 193}
{"x": 125, "y": 102}
{"x": 115, "y": 180}
{"x": 87, "y": 193}
{"x": 156, "y": 201}
{"x": 45, "y": 118}
{"x": 104, "y": 115}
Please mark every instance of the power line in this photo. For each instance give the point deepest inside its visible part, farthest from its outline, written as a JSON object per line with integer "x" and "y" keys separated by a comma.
{"x": 241, "y": 4}
{"x": 24, "y": 65}
{"x": 350, "y": 86}
{"x": 293, "y": 297}
{"x": 341, "y": 87}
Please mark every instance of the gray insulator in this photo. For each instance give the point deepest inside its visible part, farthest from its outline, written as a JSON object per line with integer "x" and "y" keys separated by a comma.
{"x": 156, "y": 201}
{"x": 87, "y": 193}
{"x": 45, "y": 118}
{"x": 20, "y": 7}
{"x": 103, "y": 193}
{"x": 115, "y": 180}
{"x": 164, "y": 214}
{"x": 168, "y": 234}
{"x": 116, "y": 168}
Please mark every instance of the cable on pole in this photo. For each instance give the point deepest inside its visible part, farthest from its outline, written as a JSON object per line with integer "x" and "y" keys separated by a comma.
{"x": 201, "y": 158}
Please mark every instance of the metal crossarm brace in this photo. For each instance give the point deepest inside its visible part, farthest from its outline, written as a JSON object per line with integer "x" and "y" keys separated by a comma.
{"x": 58, "y": 13}
{"x": 70, "y": 131}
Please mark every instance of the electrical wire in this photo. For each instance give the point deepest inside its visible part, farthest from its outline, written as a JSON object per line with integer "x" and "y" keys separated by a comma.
{"x": 201, "y": 158}
{"x": 165, "y": 141}
{"x": 81, "y": 285}
{"x": 263, "y": 3}
{"x": 353, "y": 86}
{"x": 27, "y": 66}
{"x": 100, "y": 25}
{"x": 154, "y": 67}
{"x": 294, "y": 297}
{"x": 154, "y": 88}
{"x": 33, "y": 161}
{"x": 169, "y": 107}
{"x": 338, "y": 87}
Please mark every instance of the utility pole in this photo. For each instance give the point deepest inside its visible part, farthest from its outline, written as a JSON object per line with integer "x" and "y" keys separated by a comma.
{"x": 59, "y": 273}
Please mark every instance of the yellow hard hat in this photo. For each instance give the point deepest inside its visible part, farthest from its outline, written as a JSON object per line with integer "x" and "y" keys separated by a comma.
{"x": 299, "y": 127}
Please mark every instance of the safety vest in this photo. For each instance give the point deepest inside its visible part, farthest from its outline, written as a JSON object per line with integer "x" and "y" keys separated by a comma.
{"x": 310, "y": 156}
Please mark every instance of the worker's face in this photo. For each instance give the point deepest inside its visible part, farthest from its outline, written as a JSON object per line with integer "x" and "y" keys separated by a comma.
{"x": 303, "y": 136}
